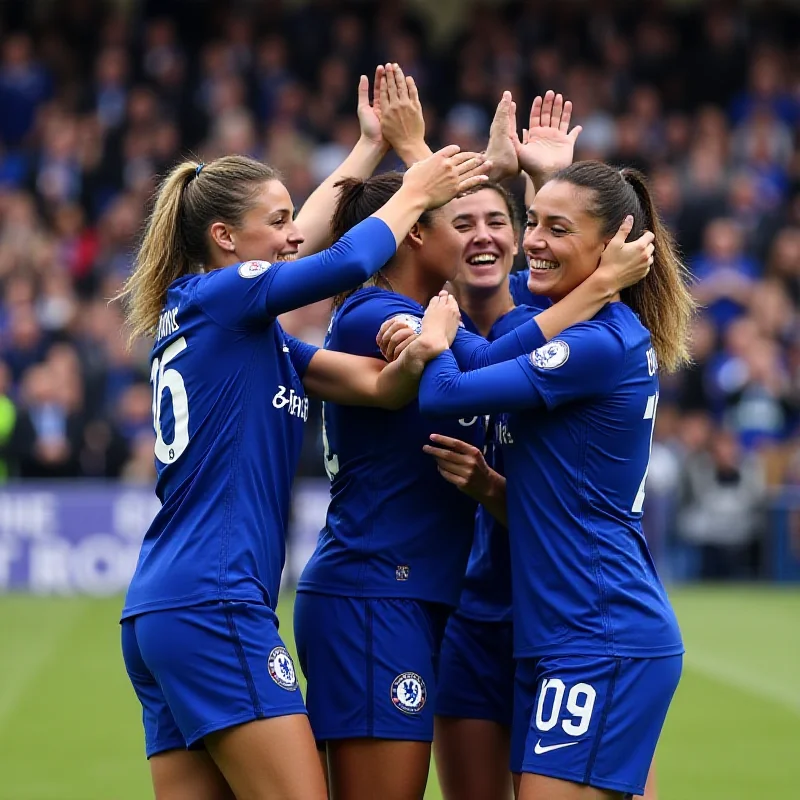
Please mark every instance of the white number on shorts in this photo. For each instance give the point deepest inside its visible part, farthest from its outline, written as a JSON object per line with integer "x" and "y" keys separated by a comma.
{"x": 582, "y": 710}
{"x": 171, "y": 379}
{"x": 580, "y": 704}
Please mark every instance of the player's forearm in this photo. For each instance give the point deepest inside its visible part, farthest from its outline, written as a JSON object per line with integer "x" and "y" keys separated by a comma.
{"x": 411, "y": 152}
{"x": 314, "y": 218}
{"x": 494, "y": 499}
{"x": 474, "y": 352}
{"x": 580, "y": 305}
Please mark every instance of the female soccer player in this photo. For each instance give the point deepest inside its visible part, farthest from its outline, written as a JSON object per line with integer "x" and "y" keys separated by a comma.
{"x": 199, "y": 633}
{"x": 598, "y": 646}
{"x": 473, "y": 722}
{"x": 373, "y": 600}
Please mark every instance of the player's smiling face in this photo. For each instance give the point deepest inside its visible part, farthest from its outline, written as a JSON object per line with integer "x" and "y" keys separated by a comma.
{"x": 441, "y": 248}
{"x": 563, "y": 242}
{"x": 268, "y": 231}
{"x": 489, "y": 241}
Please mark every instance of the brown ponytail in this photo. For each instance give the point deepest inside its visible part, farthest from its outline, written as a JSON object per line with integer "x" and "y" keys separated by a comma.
{"x": 359, "y": 199}
{"x": 662, "y": 299}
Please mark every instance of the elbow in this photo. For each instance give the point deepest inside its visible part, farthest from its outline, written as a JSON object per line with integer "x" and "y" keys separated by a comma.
{"x": 394, "y": 403}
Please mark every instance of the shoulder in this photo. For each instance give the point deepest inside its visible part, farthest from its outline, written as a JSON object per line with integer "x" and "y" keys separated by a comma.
{"x": 372, "y": 304}
{"x": 603, "y": 339}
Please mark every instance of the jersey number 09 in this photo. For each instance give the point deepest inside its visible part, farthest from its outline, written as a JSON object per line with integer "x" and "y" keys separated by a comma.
{"x": 170, "y": 379}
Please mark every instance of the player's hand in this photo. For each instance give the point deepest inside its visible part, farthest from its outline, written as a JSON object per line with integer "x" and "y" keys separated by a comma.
{"x": 402, "y": 122}
{"x": 547, "y": 144}
{"x": 501, "y": 150}
{"x": 462, "y": 465}
{"x": 440, "y": 323}
{"x": 395, "y": 335}
{"x": 369, "y": 115}
{"x": 445, "y": 174}
{"x": 625, "y": 263}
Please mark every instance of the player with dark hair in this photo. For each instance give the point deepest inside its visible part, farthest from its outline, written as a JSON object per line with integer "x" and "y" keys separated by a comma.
{"x": 598, "y": 647}
{"x": 373, "y": 600}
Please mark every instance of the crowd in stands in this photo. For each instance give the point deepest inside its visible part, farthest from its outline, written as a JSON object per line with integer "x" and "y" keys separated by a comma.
{"x": 98, "y": 98}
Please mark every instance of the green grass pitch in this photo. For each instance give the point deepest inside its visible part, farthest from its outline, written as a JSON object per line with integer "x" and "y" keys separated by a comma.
{"x": 70, "y": 724}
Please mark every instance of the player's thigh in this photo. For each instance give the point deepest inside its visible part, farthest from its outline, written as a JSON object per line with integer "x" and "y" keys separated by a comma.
{"x": 188, "y": 775}
{"x": 270, "y": 759}
{"x": 472, "y": 757}
{"x": 543, "y": 787}
{"x": 474, "y": 709}
{"x": 366, "y": 769}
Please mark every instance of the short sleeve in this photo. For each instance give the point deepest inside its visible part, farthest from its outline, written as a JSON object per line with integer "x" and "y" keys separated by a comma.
{"x": 584, "y": 361}
{"x": 360, "y": 319}
{"x": 300, "y": 352}
{"x": 236, "y": 297}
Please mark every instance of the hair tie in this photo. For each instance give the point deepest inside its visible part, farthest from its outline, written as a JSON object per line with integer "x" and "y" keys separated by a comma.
{"x": 199, "y": 168}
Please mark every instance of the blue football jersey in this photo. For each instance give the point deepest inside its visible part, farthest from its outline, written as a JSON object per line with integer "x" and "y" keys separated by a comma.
{"x": 576, "y": 448}
{"x": 395, "y": 527}
{"x": 486, "y": 595}
{"x": 229, "y": 410}
{"x": 522, "y": 295}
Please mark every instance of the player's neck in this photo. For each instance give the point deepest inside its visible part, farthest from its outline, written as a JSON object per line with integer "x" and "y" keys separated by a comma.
{"x": 485, "y": 308}
{"x": 413, "y": 283}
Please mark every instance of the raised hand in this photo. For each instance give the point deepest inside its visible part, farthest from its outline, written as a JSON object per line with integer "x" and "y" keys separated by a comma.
{"x": 626, "y": 263}
{"x": 501, "y": 150}
{"x": 445, "y": 174}
{"x": 547, "y": 144}
{"x": 402, "y": 122}
{"x": 369, "y": 115}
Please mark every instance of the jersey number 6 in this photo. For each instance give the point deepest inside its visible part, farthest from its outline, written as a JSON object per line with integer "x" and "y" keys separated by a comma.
{"x": 170, "y": 379}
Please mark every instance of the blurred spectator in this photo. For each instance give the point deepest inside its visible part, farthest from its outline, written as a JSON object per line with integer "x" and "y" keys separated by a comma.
{"x": 701, "y": 96}
{"x": 722, "y": 508}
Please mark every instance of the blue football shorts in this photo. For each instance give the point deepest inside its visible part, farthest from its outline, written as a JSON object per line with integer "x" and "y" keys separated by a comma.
{"x": 205, "y": 668}
{"x": 591, "y": 720}
{"x": 371, "y": 665}
{"x": 476, "y": 670}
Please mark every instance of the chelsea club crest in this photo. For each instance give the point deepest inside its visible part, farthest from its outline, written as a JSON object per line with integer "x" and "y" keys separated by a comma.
{"x": 281, "y": 668}
{"x": 409, "y": 693}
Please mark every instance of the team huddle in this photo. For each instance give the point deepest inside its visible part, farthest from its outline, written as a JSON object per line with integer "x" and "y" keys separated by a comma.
{"x": 482, "y": 584}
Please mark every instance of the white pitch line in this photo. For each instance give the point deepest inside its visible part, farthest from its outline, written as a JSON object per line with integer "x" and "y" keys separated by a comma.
{"x": 758, "y": 685}
{"x": 23, "y": 668}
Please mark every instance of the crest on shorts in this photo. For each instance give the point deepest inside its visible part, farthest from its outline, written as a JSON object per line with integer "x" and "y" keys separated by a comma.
{"x": 415, "y": 323}
{"x": 252, "y": 269}
{"x": 409, "y": 693}
{"x": 552, "y": 355}
{"x": 281, "y": 668}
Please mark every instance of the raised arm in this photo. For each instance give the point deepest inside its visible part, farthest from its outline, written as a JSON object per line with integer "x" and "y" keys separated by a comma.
{"x": 402, "y": 122}
{"x": 370, "y": 244}
{"x": 547, "y": 144}
{"x": 314, "y": 217}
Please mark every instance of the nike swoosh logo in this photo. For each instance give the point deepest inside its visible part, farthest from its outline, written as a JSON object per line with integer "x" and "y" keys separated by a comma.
{"x": 538, "y": 749}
